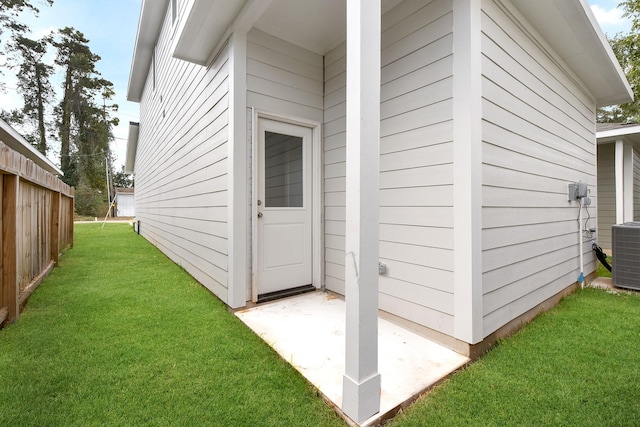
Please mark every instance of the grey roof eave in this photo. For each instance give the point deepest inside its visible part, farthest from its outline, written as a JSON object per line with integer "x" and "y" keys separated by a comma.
{"x": 152, "y": 14}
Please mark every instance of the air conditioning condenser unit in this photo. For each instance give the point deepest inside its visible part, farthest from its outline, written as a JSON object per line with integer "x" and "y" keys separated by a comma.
{"x": 626, "y": 255}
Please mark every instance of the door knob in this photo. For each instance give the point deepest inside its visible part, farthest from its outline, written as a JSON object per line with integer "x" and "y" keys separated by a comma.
{"x": 259, "y": 214}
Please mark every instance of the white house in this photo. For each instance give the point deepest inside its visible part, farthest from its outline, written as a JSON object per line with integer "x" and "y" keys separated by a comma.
{"x": 288, "y": 144}
{"x": 125, "y": 202}
{"x": 618, "y": 177}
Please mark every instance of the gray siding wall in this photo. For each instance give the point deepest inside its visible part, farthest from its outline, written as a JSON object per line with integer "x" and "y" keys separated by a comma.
{"x": 606, "y": 194}
{"x": 538, "y": 135}
{"x": 416, "y": 164}
{"x": 636, "y": 185}
{"x": 181, "y": 164}
{"x": 334, "y": 172}
{"x": 283, "y": 78}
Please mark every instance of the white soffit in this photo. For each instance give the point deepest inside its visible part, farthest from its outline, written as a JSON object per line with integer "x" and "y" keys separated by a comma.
{"x": 132, "y": 147}
{"x": 316, "y": 25}
{"x": 12, "y": 139}
{"x": 203, "y": 23}
{"x": 572, "y": 31}
{"x": 152, "y": 15}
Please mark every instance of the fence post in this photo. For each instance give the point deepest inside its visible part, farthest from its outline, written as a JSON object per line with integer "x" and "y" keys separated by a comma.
{"x": 70, "y": 217}
{"x": 55, "y": 225}
{"x": 9, "y": 256}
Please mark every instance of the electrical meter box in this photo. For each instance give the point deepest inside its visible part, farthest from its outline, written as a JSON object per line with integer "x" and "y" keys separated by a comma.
{"x": 577, "y": 190}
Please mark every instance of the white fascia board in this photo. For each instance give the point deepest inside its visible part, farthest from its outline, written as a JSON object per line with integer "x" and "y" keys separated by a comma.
{"x": 132, "y": 147}
{"x": 629, "y": 134}
{"x": 616, "y": 133}
{"x": 12, "y": 139}
{"x": 572, "y": 31}
{"x": 152, "y": 15}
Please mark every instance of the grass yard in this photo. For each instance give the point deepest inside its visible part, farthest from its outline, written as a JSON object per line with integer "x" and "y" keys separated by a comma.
{"x": 602, "y": 271}
{"x": 576, "y": 365}
{"x": 119, "y": 335}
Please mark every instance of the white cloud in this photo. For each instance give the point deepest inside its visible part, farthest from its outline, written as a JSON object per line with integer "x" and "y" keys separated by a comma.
{"x": 610, "y": 19}
{"x": 10, "y": 99}
{"x": 38, "y": 33}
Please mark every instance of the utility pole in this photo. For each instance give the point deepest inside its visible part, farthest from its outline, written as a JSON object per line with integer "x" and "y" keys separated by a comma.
{"x": 106, "y": 169}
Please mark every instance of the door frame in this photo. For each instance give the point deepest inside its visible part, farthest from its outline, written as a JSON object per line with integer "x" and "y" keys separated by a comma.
{"x": 317, "y": 236}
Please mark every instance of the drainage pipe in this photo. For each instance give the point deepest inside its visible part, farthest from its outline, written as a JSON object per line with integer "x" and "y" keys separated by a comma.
{"x": 581, "y": 277}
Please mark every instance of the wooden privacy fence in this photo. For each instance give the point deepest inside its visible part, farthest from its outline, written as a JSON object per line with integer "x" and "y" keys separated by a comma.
{"x": 37, "y": 226}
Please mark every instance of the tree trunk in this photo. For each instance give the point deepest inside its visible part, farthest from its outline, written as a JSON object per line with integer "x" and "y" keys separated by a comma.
{"x": 65, "y": 125}
{"x": 42, "y": 133}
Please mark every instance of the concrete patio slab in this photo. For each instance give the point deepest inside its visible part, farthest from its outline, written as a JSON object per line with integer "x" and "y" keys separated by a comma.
{"x": 308, "y": 332}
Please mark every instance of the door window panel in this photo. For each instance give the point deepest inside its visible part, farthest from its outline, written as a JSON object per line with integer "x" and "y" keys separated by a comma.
{"x": 283, "y": 170}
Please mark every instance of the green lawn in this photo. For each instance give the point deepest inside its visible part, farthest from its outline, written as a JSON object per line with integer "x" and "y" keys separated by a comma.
{"x": 602, "y": 271}
{"x": 576, "y": 365}
{"x": 119, "y": 335}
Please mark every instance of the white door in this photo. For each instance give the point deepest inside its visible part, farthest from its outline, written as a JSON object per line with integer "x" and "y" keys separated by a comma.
{"x": 284, "y": 207}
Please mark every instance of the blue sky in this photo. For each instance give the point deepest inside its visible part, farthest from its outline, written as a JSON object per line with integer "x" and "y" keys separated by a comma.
{"x": 610, "y": 16}
{"x": 110, "y": 26}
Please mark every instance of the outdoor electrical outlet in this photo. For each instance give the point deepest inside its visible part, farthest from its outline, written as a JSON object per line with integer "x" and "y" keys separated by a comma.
{"x": 382, "y": 268}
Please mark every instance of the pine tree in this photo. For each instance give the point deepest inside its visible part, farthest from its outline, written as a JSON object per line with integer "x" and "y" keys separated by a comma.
{"x": 34, "y": 86}
{"x": 84, "y": 124}
{"x": 9, "y": 11}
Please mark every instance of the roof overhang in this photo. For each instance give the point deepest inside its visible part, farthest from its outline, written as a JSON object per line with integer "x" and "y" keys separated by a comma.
{"x": 629, "y": 133}
{"x": 132, "y": 147}
{"x": 12, "y": 139}
{"x": 205, "y": 25}
{"x": 568, "y": 26}
{"x": 573, "y": 32}
{"x": 152, "y": 15}
{"x": 202, "y": 26}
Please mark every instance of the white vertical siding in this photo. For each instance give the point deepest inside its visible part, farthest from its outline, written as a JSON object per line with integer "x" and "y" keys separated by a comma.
{"x": 125, "y": 204}
{"x": 538, "y": 135}
{"x": 181, "y": 164}
{"x": 606, "y": 194}
{"x": 283, "y": 78}
{"x": 415, "y": 163}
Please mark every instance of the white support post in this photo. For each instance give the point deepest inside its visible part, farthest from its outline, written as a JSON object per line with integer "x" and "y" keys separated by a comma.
{"x": 619, "y": 171}
{"x": 467, "y": 170}
{"x": 361, "y": 382}
{"x": 627, "y": 155}
{"x": 238, "y": 194}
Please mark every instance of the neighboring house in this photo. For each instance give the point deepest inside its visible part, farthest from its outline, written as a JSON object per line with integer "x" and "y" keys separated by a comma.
{"x": 486, "y": 110}
{"x": 125, "y": 200}
{"x": 618, "y": 177}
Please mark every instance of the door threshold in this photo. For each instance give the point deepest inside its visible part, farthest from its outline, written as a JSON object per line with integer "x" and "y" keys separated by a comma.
{"x": 271, "y": 296}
